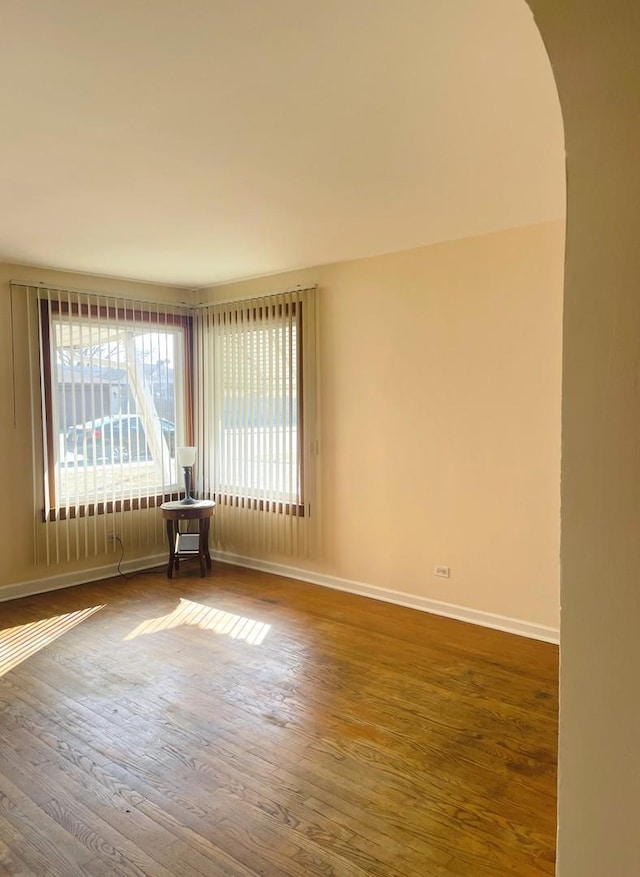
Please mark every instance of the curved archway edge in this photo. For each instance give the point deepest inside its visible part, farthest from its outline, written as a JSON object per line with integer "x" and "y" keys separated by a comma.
{"x": 592, "y": 47}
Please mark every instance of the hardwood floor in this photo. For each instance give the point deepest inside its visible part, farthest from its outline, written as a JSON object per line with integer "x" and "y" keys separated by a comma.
{"x": 245, "y": 724}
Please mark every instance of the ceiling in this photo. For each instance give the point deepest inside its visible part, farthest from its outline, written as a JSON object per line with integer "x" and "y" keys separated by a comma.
{"x": 191, "y": 142}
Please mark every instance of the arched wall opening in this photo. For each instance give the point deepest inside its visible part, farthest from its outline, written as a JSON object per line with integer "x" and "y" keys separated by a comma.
{"x": 592, "y": 47}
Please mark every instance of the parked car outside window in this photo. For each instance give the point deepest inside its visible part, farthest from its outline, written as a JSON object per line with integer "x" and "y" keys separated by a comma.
{"x": 114, "y": 439}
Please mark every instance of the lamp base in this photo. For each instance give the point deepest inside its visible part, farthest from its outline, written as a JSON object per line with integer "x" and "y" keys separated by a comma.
{"x": 188, "y": 499}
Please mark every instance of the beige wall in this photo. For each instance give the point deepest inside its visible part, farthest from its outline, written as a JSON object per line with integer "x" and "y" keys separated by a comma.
{"x": 17, "y": 516}
{"x": 440, "y": 437}
{"x": 593, "y": 48}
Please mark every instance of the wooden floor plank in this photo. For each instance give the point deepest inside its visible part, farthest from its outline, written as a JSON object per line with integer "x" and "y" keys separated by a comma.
{"x": 143, "y": 733}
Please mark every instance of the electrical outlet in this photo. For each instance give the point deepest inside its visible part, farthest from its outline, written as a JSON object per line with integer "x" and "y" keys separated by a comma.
{"x": 443, "y": 571}
{"x": 113, "y": 538}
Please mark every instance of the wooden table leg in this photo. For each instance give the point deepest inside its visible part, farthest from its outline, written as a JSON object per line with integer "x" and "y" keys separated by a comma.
{"x": 201, "y": 546}
{"x": 172, "y": 547}
{"x": 207, "y": 556}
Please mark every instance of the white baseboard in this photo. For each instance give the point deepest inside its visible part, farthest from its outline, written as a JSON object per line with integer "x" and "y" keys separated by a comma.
{"x": 81, "y": 577}
{"x": 436, "y": 607}
{"x": 424, "y": 604}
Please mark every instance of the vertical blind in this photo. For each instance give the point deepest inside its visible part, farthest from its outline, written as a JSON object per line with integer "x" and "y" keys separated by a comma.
{"x": 255, "y": 421}
{"x": 118, "y": 385}
{"x": 114, "y": 388}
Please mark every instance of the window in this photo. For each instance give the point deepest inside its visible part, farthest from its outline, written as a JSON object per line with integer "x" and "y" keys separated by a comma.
{"x": 256, "y": 384}
{"x": 115, "y": 398}
{"x": 259, "y": 423}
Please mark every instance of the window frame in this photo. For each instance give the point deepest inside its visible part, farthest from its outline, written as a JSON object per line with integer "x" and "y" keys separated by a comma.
{"x": 136, "y": 315}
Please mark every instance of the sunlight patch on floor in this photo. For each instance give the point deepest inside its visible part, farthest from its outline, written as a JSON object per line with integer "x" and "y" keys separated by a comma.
{"x": 188, "y": 613}
{"x": 19, "y": 643}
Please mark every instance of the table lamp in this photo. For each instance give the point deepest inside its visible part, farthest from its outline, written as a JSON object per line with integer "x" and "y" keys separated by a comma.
{"x": 186, "y": 459}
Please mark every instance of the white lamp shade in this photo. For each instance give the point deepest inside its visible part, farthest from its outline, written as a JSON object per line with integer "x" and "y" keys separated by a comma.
{"x": 186, "y": 456}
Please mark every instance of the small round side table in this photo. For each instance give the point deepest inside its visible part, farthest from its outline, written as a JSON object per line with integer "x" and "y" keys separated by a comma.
{"x": 183, "y": 545}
